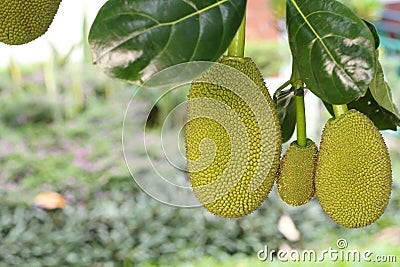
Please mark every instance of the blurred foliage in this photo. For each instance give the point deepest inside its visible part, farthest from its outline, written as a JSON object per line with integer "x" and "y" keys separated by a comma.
{"x": 367, "y": 9}
{"x": 269, "y": 56}
{"x": 22, "y": 107}
{"x": 119, "y": 222}
{"x": 278, "y": 8}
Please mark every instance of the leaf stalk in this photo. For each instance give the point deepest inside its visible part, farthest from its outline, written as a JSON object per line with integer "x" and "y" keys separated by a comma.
{"x": 339, "y": 110}
{"x": 236, "y": 48}
{"x": 300, "y": 118}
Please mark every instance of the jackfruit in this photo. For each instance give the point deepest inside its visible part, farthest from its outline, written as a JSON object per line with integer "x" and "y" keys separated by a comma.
{"x": 353, "y": 177}
{"x": 233, "y": 138}
{"x": 22, "y": 21}
{"x": 295, "y": 179}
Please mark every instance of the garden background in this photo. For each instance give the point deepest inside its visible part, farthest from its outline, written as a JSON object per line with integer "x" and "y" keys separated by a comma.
{"x": 60, "y": 131}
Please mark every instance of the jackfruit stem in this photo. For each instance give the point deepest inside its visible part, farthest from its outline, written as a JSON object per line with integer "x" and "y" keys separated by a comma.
{"x": 339, "y": 110}
{"x": 300, "y": 118}
{"x": 236, "y": 48}
{"x": 295, "y": 79}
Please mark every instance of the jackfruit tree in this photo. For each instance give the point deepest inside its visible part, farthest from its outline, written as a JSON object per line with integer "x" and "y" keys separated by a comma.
{"x": 235, "y": 130}
{"x": 23, "y": 21}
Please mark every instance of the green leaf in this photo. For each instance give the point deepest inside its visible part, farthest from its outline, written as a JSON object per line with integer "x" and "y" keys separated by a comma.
{"x": 333, "y": 49}
{"x": 381, "y": 91}
{"x": 286, "y": 111}
{"x": 383, "y": 119}
{"x": 133, "y": 39}
{"x": 374, "y": 32}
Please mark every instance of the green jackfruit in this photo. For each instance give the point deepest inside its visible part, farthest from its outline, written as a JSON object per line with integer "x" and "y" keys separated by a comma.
{"x": 295, "y": 179}
{"x": 22, "y": 21}
{"x": 353, "y": 178}
{"x": 233, "y": 138}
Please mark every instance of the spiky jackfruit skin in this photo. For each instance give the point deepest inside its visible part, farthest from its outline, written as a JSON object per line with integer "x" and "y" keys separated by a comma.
{"x": 295, "y": 179}
{"x": 353, "y": 178}
{"x": 233, "y": 195}
{"x": 23, "y": 21}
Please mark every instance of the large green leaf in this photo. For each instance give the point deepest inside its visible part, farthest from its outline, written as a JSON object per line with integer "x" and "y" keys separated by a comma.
{"x": 382, "y": 92}
{"x": 333, "y": 49}
{"x": 133, "y": 39}
{"x": 286, "y": 111}
{"x": 382, "y": 118}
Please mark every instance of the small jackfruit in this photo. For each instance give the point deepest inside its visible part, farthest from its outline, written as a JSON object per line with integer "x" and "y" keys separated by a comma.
{"x": 353, "y": 178}
{"x": 295, "y": 179}
{"x": 233, "y": 138}
{"x": 23, "y": 21}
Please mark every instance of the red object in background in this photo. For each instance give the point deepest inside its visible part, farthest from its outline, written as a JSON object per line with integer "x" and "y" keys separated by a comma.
{"x": 393, "y": 19}
{"x": 261, "y": 24}
{"x": 393, "y": 6}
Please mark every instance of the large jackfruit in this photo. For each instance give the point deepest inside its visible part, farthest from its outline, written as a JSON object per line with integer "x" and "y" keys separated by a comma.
{"x": 23, "y": 21}
{"x": 295, "y": 179}
{"x": 233, "y": 138}
{"x": 353, "y": 177}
